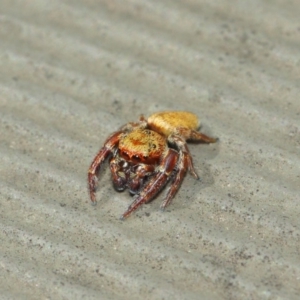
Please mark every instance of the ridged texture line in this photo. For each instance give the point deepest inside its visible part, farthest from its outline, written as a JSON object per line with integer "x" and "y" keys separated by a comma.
{"x": 72, "y": 72}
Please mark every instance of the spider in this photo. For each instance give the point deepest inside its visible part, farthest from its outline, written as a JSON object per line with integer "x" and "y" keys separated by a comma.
{"x": 144, "y": 156}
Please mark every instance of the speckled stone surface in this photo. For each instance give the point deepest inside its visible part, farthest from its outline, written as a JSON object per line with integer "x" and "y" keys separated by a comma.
{"x": 72, "y": 72}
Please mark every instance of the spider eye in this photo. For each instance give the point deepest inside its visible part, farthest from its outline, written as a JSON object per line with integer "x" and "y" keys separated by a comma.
{"x": 136, "y": 157}
{"x": 125, "y": 155}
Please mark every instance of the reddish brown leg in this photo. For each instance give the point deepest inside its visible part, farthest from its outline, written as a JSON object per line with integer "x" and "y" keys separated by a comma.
{"x": 182, "y": 146}
{"x": 200, "y": 137}
{"x": 104, "y": 152}
{"x": 185, "y": 160}
{"x": 194, "y": 135}
{"x": 182, "y": 168}
{"x": 156, "y": 183}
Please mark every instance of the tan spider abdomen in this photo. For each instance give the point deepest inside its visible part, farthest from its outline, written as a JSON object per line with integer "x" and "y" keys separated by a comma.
{"x": 142, "y": 145}
{"x": 166, "y": 123}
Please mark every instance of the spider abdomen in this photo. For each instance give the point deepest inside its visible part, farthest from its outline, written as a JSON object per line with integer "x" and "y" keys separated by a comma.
{"x": 168, "y": 122}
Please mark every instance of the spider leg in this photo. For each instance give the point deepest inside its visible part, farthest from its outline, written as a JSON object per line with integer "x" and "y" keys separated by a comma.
{"x": 180, "y": 142}
{"x": 185, "y": 160}
{"x": 156, "y": 183}
{"x": 195, "y": 136}
{"x": 182, "y": 167}
{"x": 109, "y": 146}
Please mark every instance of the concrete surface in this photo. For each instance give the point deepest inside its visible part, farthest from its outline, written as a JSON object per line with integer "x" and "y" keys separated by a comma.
{"x": 71, "y": 72}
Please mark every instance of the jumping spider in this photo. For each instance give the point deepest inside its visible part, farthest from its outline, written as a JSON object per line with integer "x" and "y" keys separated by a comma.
{"x": 145, "y": 155}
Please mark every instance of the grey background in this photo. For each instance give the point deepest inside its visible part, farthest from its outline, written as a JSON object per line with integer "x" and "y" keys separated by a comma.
{"x": 72, "y": 72}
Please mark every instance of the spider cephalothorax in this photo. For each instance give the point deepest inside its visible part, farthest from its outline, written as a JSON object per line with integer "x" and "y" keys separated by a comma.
{"x": 146, "y": 155}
